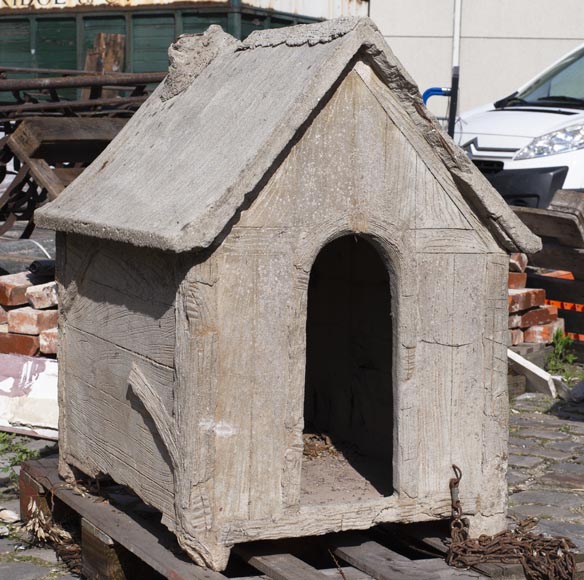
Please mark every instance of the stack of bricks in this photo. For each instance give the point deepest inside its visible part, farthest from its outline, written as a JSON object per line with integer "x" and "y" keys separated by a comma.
{"x": 28, "y": 315}
{"x": 530, "y": 319}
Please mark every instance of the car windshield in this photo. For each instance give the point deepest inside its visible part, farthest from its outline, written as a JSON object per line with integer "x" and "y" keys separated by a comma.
{"x": 563, "y": 84}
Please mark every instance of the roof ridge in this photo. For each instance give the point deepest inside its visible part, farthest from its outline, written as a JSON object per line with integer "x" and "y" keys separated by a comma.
{"x": 302, "y": 34}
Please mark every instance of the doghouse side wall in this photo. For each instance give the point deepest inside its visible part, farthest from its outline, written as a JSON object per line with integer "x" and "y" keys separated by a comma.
{"x": 358, "y": 168}
{"x": 116, "y": 309}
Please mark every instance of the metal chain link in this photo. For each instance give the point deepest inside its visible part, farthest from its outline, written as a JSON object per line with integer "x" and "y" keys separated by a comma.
{"x": 542, "y": 558}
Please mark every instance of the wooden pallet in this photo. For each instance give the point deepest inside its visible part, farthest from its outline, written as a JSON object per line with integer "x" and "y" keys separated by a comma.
{"x": 123, "y": 539}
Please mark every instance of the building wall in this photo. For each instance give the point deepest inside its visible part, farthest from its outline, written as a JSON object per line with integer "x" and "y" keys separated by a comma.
{"x": 312, "y": 8}
{"x": 57, "y": 33}
{"x": 504, "y": 43}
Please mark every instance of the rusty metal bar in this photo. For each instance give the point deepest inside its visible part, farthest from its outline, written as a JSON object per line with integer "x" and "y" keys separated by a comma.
{"x": 81, "y": 104}
{"x": 58, "y": 71}
{"x": 81, "y": 81}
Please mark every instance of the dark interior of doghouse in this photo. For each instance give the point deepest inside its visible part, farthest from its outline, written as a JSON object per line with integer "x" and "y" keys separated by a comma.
{"x": 348, "y": 407}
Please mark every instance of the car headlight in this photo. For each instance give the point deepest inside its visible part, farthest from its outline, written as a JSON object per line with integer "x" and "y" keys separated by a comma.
{"x": 562, "y": 141}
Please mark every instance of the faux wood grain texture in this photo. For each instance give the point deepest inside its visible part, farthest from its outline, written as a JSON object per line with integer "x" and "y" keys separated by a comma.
{"x": 110, "y": 433}
{"x": 316, "y": 520}
{"x": 446, "y": 241}
{"x": 134, "y": 324}
{"x": 496, "y": 400}
{"x": 134, "y": 272}
{"x": 389, "y": 101}
{"x": 220, "y": 337}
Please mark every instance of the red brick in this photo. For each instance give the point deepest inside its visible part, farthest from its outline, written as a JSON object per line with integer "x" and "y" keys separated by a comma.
{"x": 541, "y": 315}
{"x": 517, "y": 280}
{"x": 525, "y": 299}
{"x": 27, "y": 320}
{"x": 49, "y": 341}
{"x": 544, "y": 333}
{"x": 515, "y": 337}
{"x": 42, "y": 295}
{"x": 517, "y": 262}
{"x": 17, "y": 343}
{"x": 13, "y": 288}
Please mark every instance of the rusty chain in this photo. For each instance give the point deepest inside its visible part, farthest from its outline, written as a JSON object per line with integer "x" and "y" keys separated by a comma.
{"x": 542, "y": 558}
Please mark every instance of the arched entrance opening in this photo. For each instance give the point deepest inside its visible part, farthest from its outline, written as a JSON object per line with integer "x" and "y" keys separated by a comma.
{"x": 348, "y": 406}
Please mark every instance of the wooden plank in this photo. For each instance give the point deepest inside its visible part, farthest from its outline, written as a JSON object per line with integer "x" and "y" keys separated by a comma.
{"x": 278, "y": 566}
{"x": 568, "y": 200}
{"x": 574, "y": 320}
{"x": 68, "y": 174}
{"x": 557, "y": 288}
{"x": 566, "y": 228}
{"x": 349, "y": 573}
{"x": 66, "y": 138}
{"x": 443, "y": 570}
{"x": 435, "y": 542}
{"x": 106, "y": 56}
{"x": 354, "y": 543}
{"x": 134, "y": 534}
{"x": 378, "y": 561}
{"x": 44, "y": 176}
{"x": 432, "y": 537}
{"x": 559, "y": 257}
{"x": 540, "y": 380}
{"x": 510, "y": 571}
{"x": 99, "y": 556}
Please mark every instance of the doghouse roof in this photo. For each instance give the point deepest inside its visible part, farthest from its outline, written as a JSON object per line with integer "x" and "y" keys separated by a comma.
{"x": 180, "y": 170}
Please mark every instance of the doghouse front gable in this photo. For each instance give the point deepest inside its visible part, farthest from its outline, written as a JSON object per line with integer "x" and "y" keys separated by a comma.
{"x": 359, "y": 169}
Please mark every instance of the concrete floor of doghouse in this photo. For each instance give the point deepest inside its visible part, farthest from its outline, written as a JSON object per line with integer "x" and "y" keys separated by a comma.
{"x": 332, "y": 478}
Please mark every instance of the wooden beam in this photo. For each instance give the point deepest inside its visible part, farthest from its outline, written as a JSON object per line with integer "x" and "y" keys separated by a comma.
{"x": 564, "y": 227}
{"x": 557, "y": 288}
{"x": 106, "y": 56}
{"x": 559, "y": 257}
{"x": 69, "y": 138}
{"x": 152, "y": 545}
{"x": 278, "y": 566}
{"x": 574, "y": 320}
{"x": 376, "y": 560}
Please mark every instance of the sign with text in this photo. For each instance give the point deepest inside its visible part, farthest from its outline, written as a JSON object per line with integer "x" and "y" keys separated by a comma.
{"x": 48, "y": 4}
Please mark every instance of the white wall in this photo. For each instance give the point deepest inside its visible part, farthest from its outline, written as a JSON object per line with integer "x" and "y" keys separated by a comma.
{"x": 503, "y": 42}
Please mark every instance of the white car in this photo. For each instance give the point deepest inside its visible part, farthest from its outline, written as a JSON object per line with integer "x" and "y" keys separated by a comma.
{"x": 531, "y": 143}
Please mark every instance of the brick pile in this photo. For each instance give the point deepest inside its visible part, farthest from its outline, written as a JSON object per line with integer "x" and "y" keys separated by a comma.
{"x": 28, "y": 315}
{"x": 531, "y": 320}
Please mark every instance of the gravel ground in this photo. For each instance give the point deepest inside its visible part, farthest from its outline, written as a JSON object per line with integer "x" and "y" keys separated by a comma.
{"x": 18, "y": 559}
